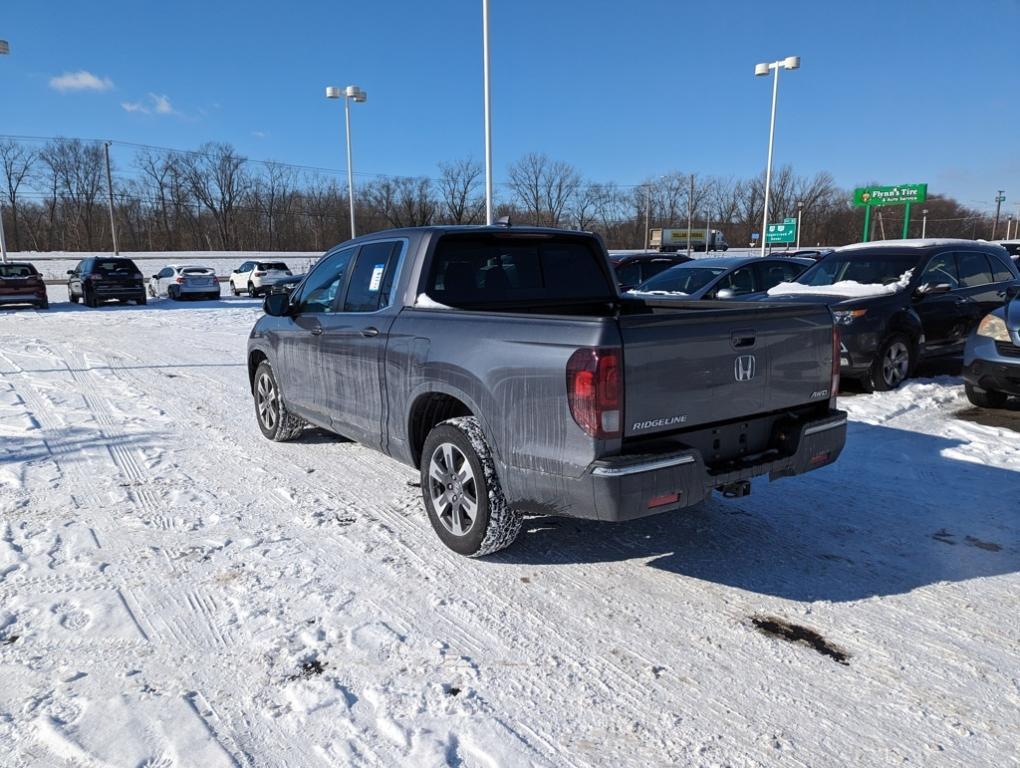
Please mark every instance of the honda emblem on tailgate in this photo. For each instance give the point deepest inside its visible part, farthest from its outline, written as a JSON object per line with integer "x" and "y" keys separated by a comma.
{"x": 743, "y": 368}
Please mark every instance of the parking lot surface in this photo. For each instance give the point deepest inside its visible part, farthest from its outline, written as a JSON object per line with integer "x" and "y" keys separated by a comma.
{"x": 176, "y": 590}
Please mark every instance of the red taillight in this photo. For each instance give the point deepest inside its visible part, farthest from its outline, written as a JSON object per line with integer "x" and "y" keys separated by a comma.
{"x": 595, "y": 390}
{"x": 260, "y": 274}
{"x": 834, "y": 386}
{"x": 179, "y": 281}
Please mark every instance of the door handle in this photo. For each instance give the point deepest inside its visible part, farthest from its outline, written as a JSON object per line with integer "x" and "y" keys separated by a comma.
{"x": 316, "y": 331}
{"x": 370, "y": 331}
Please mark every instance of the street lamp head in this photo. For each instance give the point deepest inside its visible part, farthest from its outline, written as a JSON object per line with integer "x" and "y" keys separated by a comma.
{"x": 361, "y": 97}
{"x": 352, "y": 91}
{"x": 791, "y": 62}
{"x": 332, "y": 92}
{"x": 761, "y": 69}
{"x": 4, "y": 47}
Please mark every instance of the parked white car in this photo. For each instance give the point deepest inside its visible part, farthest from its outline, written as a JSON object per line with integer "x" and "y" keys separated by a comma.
{"x": 257, "y": 277}
{"x": 185, "y": 281}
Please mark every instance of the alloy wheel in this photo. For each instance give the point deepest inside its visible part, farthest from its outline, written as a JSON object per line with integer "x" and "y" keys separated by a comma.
{"x": 266, "y": 401}
{"x": 895, "y": 364}
{"x": 453, "y": 489}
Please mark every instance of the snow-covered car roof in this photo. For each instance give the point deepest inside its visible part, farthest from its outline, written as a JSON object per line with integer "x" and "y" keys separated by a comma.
{"x": 912, "y": 243}
{"x": 179, "y": 267}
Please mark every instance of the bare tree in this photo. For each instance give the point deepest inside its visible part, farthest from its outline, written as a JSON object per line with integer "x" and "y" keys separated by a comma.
{"x": 77, "y": 176}
{"x": 218, "y": 179}
{"x": 544, "y": 188}
{"x": 458, "y": 190}
{"x": 18, "y": 161}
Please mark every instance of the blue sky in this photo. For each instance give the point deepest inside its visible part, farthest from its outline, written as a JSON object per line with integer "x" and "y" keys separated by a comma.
{"x": 889, "y": 92}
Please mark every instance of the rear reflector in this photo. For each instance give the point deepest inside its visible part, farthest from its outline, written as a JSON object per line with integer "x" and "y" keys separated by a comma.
{"x": 661, "y": 501}
{"x": 820, "y": 458}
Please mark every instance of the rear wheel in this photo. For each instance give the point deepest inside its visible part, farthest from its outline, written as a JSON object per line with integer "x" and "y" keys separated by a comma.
{"x": 73, "y": 297}
{"x": 141, "y": 300}
{"x": 173, "y": 293}
{"x": 270, "y": 411}
{"x": 90, "y": 298}
{"x": 462, "y": 494}
{"x": 892, "y": 366}
{"x": 984, "y": 398}
{"x": 44, "y": 304}
{"x": 251, "y": 289}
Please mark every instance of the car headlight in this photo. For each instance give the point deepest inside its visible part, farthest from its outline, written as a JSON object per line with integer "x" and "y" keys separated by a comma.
{"x": 993, "y": 327}
{"x": 847, "y": 316}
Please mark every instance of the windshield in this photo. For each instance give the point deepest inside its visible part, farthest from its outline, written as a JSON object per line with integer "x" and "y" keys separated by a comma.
{"x": 864, "y": 268}
{"x": 196, "y": 271}
{"x": 16, "y": 270}
{"x": 681, "y": 279}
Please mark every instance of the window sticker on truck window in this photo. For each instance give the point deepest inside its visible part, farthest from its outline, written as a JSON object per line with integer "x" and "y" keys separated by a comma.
{"x": 377, "y": 273}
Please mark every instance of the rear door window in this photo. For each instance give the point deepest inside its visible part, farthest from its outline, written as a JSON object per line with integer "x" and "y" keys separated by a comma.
{"x": 372, "y": 277}
{"x": 1000, "y": 272}
{"x": 973, "y": 269}
{"x": 741, "y": 281}
{"x": 487, "y": 269}
{"x": 324, "y": 284}
{"x": 773, "y": 273}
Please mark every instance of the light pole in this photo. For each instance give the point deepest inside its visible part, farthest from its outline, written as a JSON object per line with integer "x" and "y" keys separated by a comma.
{"x": 488, "y": 112}
{"x": 924, "y": 223}
{"x": 800, "y": 210}
{"x": 999, "y": 199}
{"x": 648, "y": 212}
{"x": 790, "y": 62}
{"x": 5, "y": 48}
{"x": 1009, "y": 225}
{"x": 359, "y": 96}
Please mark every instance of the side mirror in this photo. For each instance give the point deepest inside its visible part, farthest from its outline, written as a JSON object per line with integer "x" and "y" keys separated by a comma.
{"x": 155, "y": 277}
{"x": 724, "y": 293}
{"x": 277, "y": 304}
{"x": 70, "y": 271}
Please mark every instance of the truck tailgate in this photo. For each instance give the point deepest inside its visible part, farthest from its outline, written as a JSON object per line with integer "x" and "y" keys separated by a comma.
{"x": 695, "y": 363}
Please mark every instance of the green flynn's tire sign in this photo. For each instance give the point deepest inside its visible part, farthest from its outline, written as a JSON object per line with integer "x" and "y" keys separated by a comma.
{"x": 902, "y": 194}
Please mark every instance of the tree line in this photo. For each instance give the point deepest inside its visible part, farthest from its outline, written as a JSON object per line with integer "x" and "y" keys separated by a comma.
{"x": 55, "y": 198}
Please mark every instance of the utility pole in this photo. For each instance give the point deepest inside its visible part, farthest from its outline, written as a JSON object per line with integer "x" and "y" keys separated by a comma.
{"x": 488, "y": 112}
{"x": 999, "y": 199}
{"x": 690, "y": 214}
{"x": 109, "y": 189}
{"x": 648, "y": 213}
{"x": 5, "y": 49}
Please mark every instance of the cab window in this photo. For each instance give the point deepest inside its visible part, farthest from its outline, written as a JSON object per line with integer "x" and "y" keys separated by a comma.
{"x": 740, "y": 281}
{"x": 775, "y": 272}
{"x": 323, "y": 285}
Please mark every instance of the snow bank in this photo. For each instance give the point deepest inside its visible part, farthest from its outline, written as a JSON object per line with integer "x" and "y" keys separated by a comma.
{"x": 848, "y": 289}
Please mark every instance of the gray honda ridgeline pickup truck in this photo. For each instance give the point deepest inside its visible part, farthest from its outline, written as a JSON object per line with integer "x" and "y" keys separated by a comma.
{"x": 504, "y": 364}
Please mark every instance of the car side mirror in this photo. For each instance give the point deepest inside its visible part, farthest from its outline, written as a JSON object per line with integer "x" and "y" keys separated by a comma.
{"x": 70, "y": 271}
{"x": 277, "y": 304}
{"x": 725, "y": 293}
{"x": 155, "y": 277}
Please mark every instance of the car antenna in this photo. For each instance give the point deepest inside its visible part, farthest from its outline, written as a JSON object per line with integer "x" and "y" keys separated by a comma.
{"x": 504, "y": 220}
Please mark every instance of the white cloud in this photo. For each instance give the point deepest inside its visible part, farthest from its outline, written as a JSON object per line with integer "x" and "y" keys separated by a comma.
{"x": 158, "y": 103}
{"x": 81, "y": 80}
{"x": 259, "y": 134}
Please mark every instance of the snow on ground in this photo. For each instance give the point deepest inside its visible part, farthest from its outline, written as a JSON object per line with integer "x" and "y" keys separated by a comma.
{"x": 177, "y": 591}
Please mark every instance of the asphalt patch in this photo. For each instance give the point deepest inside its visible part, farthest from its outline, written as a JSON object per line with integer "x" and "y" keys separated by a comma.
{"x": 795, "y": 633}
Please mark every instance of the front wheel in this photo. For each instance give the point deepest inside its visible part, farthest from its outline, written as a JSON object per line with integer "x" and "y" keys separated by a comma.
{"x": 75, "y": 298}
{"x": 462, "y": 494}
{"x": 984, "y": 398}
{"x": 893, "y": 364}
{"x": 274, "y": 420}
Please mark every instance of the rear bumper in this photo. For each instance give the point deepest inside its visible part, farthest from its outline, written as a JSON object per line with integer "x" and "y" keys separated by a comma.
{"x": 118, "y": 291}
{"x": 637, "y": 486}
{"x": 23, "y": 298}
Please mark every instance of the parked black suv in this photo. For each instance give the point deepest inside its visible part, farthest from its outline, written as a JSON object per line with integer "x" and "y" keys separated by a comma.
{"x": 96, "y": 280}
{"x": 899, "y": 302}
{"x": 632, "y": 269}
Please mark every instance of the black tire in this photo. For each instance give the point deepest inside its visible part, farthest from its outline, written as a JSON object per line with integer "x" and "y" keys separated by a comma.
{"x": 494, "y": 525}
{"x": 90, "y": 299}
{"x": 233, "y": 289}
{"x": 172, "y": 294}
{"x": 985, "y": 398}
{"x": 73, "y": 298}
{"x": 251, "y": 290}
{"x": 141, "y": 300}
{"x": 893, "y": 364}
{"x": 44, "y": 304}
{"x": 270, "y": 410}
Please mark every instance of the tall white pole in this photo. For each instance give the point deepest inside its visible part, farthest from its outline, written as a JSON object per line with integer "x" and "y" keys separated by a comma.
{"x": 488, "y": 113}
{"x": 350, "y": 168}
{"x": 768, "y": 167}
{"x": 800, "y": 209}
{"x": 109, "y": 190}
{"x": 3, "y": 240}
{"x": 924, "y": 223}
{"x": 648, "y": 212}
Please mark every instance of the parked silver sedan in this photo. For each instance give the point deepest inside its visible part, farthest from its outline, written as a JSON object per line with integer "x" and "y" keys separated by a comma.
{"x": 991, "y": 359}
{"x": 185, "y": 281}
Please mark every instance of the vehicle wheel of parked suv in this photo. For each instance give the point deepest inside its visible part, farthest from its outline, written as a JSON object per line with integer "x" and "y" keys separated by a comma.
{"x": 173, "y": 294}
{"x": 274, "y": 420}
{"x": 462, "y": 494}
{"x": 251, "y": 290}
{"x": 985, "y": 398}
{"x": 233, "y": 289}
{"x": 90, "y": 298}
{"x": 893, "y": 364}
{"x": 44, "y": 304}
{"x": 73, "y": 298}
{"x": 141, "y": 300}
